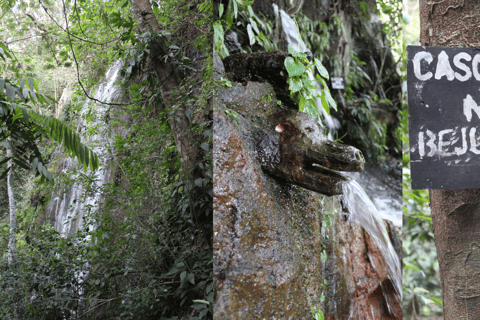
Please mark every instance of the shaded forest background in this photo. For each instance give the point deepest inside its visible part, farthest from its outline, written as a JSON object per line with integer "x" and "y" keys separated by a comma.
{"x": 145, "y": 250}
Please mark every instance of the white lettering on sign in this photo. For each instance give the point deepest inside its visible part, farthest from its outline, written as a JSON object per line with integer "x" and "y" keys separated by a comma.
{"x": 422, "y": 55}
{"x": 444, "y": 68}
{"x": 464, "y": 148}
{"x": 470, "y": 105}
{"x": 446, "y": 140}
{"x": 441, "y": 143}
{"x": 475, "y": 62}
{"x": 473, "y": 141}
{"x": 462, "y": 66}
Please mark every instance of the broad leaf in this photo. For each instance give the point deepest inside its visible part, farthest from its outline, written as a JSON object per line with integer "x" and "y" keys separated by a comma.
{"x": 295, "y": 53}
{"x": 295, "y": 84}
{"x": 329, "y": 98}
{"x": 251, "y": 35}
{"x": 321, "y": 69}
{"x": 294, "y": 67}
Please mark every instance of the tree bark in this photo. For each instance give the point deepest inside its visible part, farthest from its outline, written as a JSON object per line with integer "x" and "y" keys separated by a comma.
{"x": 170, "y": 82}
{"x": 184, "y": 138}
{"x": 455, "y": 213}
{"x": 13, "y": 214}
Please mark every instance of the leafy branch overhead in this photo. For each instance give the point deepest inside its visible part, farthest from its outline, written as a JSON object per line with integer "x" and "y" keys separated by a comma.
{"x": 258, "y": 31}
{"x": 303, "y": 89}
{"x": 20, "y": 127}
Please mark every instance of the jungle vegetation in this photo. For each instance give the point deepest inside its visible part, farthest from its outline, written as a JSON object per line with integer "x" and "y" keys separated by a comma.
{"x": 152, "y": 259}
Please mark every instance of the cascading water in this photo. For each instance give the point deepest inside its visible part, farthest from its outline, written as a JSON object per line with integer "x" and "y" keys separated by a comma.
{"x": 363, "y": 211}
{"x": 361, "y": 208}
{"x": 68, "y": 209}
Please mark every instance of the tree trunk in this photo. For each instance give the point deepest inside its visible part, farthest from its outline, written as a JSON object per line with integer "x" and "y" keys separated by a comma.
{"x": 455, "y": 213}
{"x": 184, "y": 138}
{"x": 170, "y": 82}
{"x": 13, "y": 215}
{"x": 11, "y": 199}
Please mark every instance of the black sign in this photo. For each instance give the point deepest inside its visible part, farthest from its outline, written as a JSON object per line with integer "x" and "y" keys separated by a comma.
{"x": 444, "y": 123}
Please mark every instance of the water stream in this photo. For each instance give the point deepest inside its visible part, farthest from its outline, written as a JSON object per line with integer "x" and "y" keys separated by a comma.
{"x": 68, "y": 207}
{"x": 361, "y": 208}
{"x": 362, "y": 211}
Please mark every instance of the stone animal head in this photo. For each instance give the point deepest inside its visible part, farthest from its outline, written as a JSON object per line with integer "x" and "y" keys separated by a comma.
{"x": 288, "y": 143}
{"x": 293, "y": 149}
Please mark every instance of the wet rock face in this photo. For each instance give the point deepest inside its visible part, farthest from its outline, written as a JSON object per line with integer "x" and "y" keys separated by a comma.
{"x": 69, "y": 206}
{"x": 266, "y": 67}
{"x": 270, "y": 235}
{"x": 288, "y": 143}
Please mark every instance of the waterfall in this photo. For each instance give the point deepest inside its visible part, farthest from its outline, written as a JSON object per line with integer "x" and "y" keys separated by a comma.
{"x": 361, "y": 208}
{"x": 68, "y": 208}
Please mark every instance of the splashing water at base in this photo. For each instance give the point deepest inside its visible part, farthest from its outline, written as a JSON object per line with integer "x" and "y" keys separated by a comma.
{"x": 363, "y": 212}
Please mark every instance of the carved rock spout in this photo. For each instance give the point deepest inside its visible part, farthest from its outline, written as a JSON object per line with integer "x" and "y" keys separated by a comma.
{"x": 303, "y": 156}
{"x": 288, "y": 143}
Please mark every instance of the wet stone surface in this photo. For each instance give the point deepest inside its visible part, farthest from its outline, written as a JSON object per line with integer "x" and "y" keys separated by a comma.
{"x": 269, "y": 234}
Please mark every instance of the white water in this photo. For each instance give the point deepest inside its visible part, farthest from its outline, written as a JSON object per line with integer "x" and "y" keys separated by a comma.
{"x": 363, "y": 212}
{"x": 69, "y": 207}
{"x": 361, "y": 208}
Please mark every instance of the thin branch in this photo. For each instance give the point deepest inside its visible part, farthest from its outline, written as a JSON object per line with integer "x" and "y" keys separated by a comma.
{"x": 67, "y": 31}
{"x": 50, "y": 45}
{"x": 37, "y": 35}
{"x": 76, "y": 64}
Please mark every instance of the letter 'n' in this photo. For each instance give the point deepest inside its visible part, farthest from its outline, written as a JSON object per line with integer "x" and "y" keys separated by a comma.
{"x": 468, "y": 105}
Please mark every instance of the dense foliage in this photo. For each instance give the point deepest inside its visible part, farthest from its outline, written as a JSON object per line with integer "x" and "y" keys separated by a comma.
{"x": 144, "y": 253}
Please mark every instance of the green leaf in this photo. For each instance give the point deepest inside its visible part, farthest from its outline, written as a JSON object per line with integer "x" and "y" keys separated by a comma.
{"x": 230, "y": 15}
{"x": 34, "y": 163}
{"x": 204, "y": 146}
{"x": 220, "y": 10}
{"x": 295, "y": 53}
{"x": 254, "y": 25}
{"x": 191, "y": 278}
{"x": 251, "y": 35}
{"x": 244, "y": 3}
{"x": 21, "y": 164}
{"x": 302, "y": 104}
{"x": 218, "y": 39}
{"x": 5, "y": 50}
{"x": 5, "y": 160}
{"x": 294, "y": 67}
{"x": 86, "y": 155}
{"x": 25, "y": 116}
{"x": 328, "y": 97}
{"x": 4, "y": 174}
{"x": 295, "y": 84}
{"x": 321, "y": 69}
{"x": 324, "y": 102}
{"x": 10, "y": 91}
